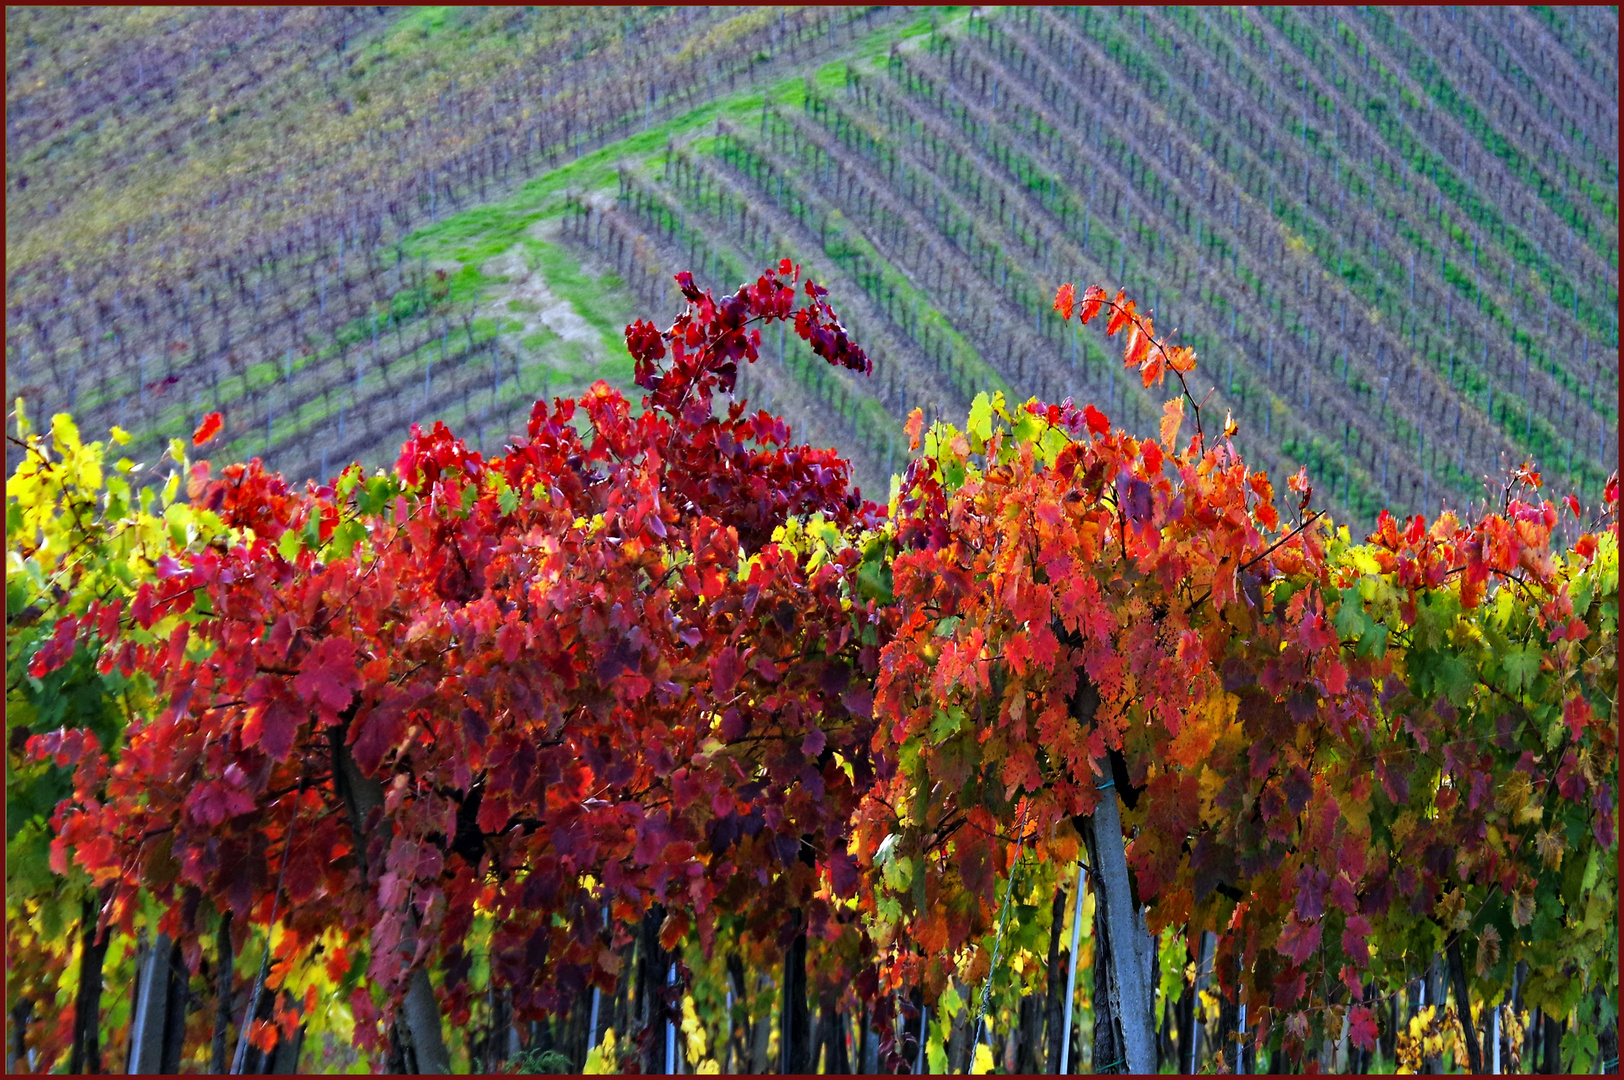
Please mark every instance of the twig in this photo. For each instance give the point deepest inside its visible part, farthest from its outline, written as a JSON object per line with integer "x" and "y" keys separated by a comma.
{"x": 1265, "y": 553}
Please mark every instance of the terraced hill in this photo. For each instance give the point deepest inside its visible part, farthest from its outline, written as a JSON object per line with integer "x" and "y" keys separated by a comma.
{"x": 1391, "y": 234}
{"x": 219, "y": 207}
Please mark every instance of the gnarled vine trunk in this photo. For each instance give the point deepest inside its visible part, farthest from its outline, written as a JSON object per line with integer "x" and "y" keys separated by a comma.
{"x": 1185, "y": 1010}
{"x": 1122, "y": 950}
{"x": 158, "y": 1021}
{"x": 1054, "y": 995}
{"x": 796, "y": 1035}
{"x": 653, "y": 970}
{"x": 362, "y": 795}
{"x": 17, "y": 1052}
{"x": 176, "y": 1003}
{"x": 1463, "y": 1005}
{"x": 85, "y": 1055}
{"x": 831, "y": 1040}
{"x": 218, "y": 1062}
{"x": 1107, "y": 1043}
{"x": 1435, "y": 997}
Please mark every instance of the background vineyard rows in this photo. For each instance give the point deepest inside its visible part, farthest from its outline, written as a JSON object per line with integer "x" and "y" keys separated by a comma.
{"x": 1391, "y": 235}
{"x": 222, "y": 216}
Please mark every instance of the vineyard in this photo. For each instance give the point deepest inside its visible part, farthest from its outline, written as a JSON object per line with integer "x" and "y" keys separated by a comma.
{"x": 1398, "y": 250}
{"x": 261, "y": 267}
{"x": 1104, "y": 558}
{"x": 1309, "y": 199}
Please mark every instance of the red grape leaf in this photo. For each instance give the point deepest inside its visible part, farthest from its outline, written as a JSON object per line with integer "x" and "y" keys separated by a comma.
{"x": 328, "y": 674}
{"x": 1299, "y": 940}
{"x": 376, "y": 729}
{"x": 1362, "y": 1028}
{"x": 1354, "y": 936}
{"x": 208, "y": 429}
{"x": 725, "y": 670}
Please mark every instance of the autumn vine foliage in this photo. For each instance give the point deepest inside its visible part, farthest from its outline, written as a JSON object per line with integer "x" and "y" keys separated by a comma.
{"x": 657, "y": 674}
{"x": 1070, "y": 593}
{"x": 1341, "y": 759}
{"x": 574, "y": 678}
{"x": 85, "y": 538}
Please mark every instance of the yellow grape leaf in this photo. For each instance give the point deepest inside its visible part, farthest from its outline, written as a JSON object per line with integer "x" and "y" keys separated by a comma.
{"x": 1198, "y": 734}
{"x": 602, "y": 1059}
{"x": 1211, "y": 786}
{"x": 1548, "y": 842}
{"x": 1522, "y": 909}
{"x": 65, "y": 433}
{"x": 980, "y": 424}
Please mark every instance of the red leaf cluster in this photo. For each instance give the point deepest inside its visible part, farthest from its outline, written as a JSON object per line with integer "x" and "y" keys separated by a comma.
{"x": 546, "y": 667}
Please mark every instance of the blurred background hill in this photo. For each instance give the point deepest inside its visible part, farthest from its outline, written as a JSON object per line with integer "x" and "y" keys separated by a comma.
{"x": 1391, "y": 234}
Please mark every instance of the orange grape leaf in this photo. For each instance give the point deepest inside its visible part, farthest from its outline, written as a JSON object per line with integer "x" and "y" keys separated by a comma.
{"x": 1172, "y": 418}
{"x": 1134, "y": 353}
{"x": 916, "y": 420}
{"x": 1119, "y": 314}
{"x": 1181, "y": 358}
{"x": 932, "y": 934}
{"x": 1093, "y": 297}
{"x": 263, "y": 1035}
{"x": 279, "y": 972}
{"x": 338, "y": 963}
{"x": 1298, "y": 482}
{"x": 288, "y": 1021}
{"x": 1065, "y": 298}
{"x": 673, "y": 930}
{"x": 208, "y": 429}
{"x": 1021, "y": 772}
{"x": 1259, "y": 483}
{"x": 975, "y": 863}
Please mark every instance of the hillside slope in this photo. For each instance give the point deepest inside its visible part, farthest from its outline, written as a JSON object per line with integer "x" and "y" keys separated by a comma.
{"x": 212, "y": 208}
{"x": 1391, "y": 234}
